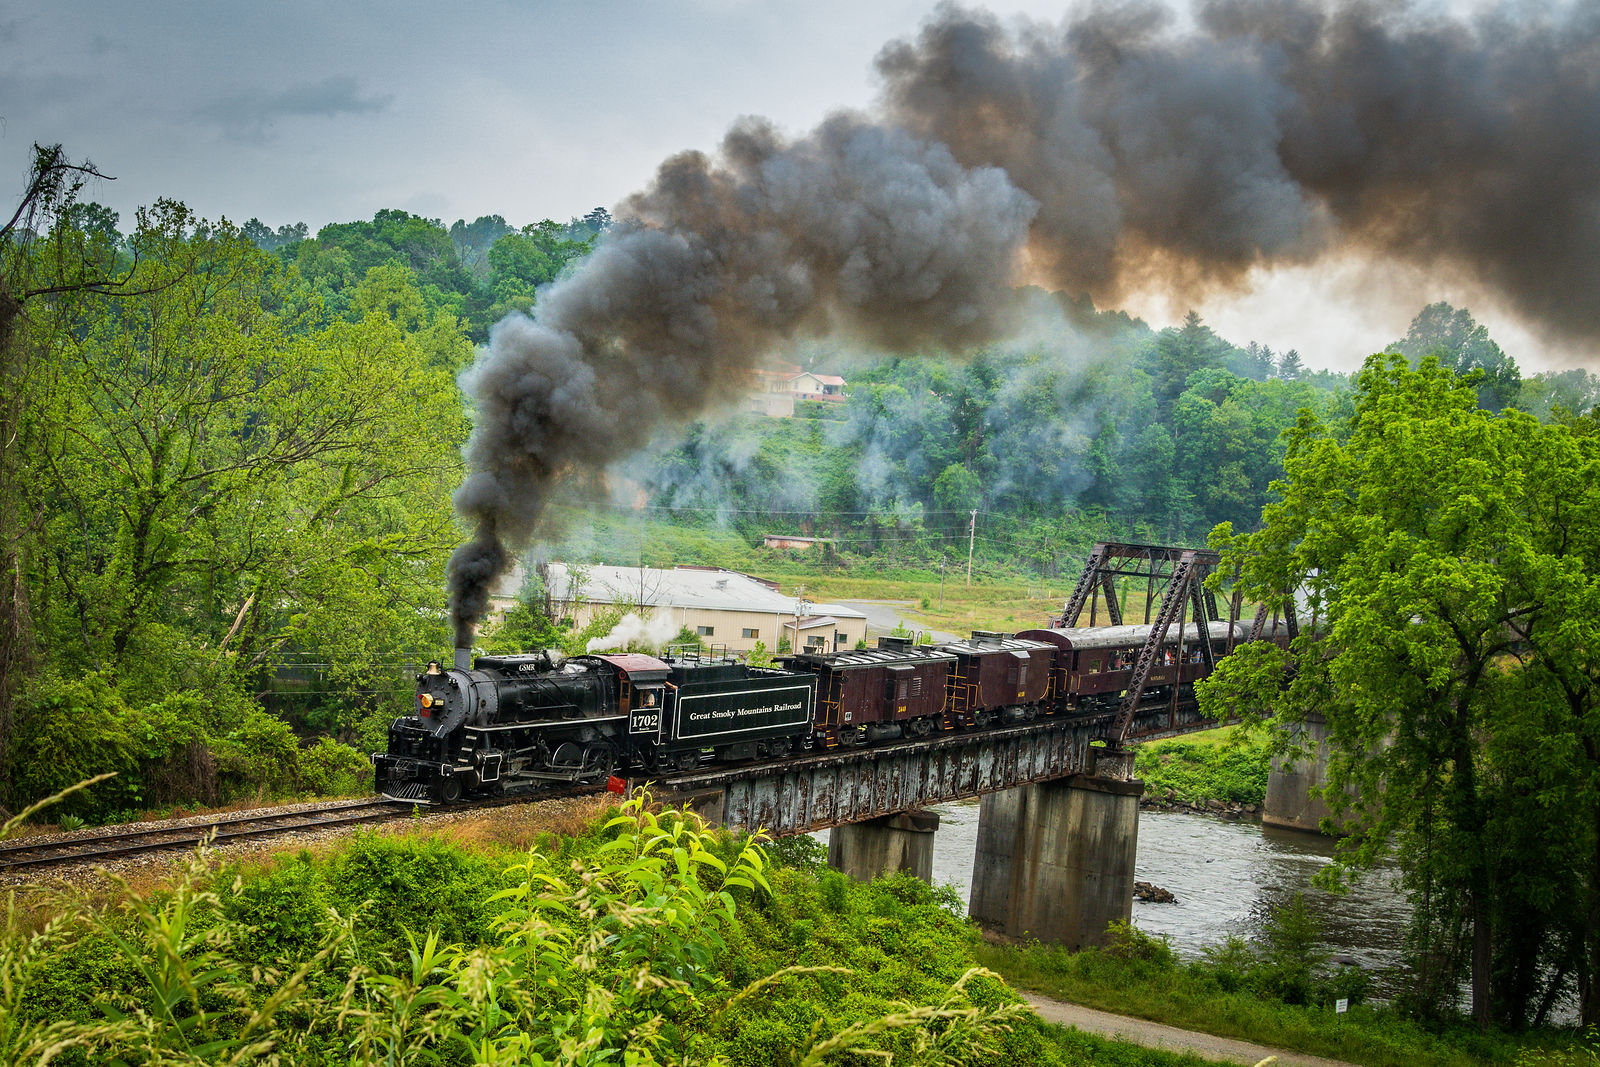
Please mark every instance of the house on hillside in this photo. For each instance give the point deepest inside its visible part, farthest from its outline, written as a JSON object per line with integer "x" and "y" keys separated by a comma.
{"x": 808, "y": 386}
{"x": 775, "y": 389}
{"x": 721, "y": 607}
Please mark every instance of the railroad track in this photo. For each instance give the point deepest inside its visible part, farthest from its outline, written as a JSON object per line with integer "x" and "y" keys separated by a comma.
{"x": 115, "y": 844}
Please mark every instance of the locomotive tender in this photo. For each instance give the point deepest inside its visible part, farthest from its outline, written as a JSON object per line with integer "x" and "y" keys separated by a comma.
{"x": 511, "y": 723}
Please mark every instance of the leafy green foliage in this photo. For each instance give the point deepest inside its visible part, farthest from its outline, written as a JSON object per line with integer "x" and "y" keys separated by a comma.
{"x": 1196, "y": 770}
{"x": 659, "y": 942}
{"x": 1453, "y": 558}
{"x": 1229, "y": 992}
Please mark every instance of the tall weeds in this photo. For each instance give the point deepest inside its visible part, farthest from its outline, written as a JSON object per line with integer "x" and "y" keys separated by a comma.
{"x": 612, "y": 959}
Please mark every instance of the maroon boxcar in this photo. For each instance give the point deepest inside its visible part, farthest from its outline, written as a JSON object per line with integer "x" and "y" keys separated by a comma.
{"x": 995, "y": 672}
{"x": 871, "y": 694}
{"x": 1094, "y": 665}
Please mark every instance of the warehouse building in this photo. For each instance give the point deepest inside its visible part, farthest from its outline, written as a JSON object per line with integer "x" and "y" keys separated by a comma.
{"x": 723, "y": 607}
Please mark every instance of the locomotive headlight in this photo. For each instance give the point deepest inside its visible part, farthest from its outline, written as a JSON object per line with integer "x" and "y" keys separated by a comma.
{"x": 426, "y": 699}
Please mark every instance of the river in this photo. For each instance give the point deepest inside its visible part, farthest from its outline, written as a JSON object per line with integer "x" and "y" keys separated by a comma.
{"x": 1227, "y": 875}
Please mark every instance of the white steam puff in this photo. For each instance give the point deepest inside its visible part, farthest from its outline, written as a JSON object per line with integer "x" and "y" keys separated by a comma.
{"x": 1110, "y": 152}
{"x": 631, "y": 629}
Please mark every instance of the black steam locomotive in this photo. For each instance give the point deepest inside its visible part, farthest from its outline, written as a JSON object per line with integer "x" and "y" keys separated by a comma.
{"x": 516, "y": 721}
{"x": 511, "y": 723}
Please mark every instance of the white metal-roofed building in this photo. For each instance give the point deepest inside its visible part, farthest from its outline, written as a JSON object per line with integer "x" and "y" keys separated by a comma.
{"x": 722, "y": 607}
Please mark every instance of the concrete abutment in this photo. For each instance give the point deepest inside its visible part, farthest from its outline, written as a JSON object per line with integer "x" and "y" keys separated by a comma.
{"x": 1294, "y": 790}
{"x": 872, "y": 849}
{"x": 1055, "y": 860}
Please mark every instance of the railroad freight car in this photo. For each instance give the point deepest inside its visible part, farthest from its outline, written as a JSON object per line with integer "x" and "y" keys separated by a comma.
{"x": 996, "y": 676}
{"x": 895, "y": 690}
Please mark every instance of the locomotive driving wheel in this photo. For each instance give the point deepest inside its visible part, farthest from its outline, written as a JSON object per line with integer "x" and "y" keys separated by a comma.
{"x": 598, "y": 762}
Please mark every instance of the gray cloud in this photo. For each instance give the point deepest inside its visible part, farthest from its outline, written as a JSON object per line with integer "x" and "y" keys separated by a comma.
{"x": 251, "y": 116}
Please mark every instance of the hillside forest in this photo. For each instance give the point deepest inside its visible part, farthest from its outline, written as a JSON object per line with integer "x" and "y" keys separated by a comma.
{"x": 227, "y": 454}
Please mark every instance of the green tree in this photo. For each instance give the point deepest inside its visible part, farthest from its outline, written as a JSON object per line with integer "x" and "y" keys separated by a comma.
{"x": 222, "y": 482}
{"x": 1463, "y": 345}
{"x": 1431, "y": 536}
{"x": 1174, "y": 354}
{"x": 1290, "y": 369}
{"x": 956, "y": 491}
{"x": 56, "y": 253}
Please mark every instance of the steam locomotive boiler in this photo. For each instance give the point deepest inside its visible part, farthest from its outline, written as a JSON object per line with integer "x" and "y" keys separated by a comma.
{"x": 514, "y": 722}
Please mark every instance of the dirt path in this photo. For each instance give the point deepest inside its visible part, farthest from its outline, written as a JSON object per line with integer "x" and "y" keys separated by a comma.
{"x": 1157, "y": 1035}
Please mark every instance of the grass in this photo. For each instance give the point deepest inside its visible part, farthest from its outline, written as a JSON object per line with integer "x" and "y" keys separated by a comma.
{"x": 997, "y": 600}
{"x": 1187, "y": 996}
{"x": 1220, "y": 764}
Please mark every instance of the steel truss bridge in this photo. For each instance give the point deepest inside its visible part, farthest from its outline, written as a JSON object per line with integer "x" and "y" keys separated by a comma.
{"x": 852, "y": 785}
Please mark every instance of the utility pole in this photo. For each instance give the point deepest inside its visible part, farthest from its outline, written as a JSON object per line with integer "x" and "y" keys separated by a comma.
{"x": 972, "y": 535}
{"x": 942, "y": 562}
{"x": 799, "y": 606}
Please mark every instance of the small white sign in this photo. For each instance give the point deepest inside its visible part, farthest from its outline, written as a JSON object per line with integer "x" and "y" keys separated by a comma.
{"x": 1341, "y": 1005}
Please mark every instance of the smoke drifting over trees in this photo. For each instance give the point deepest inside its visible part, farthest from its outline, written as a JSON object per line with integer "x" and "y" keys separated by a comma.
{"x": 1277, "y": 131}
{"x": 1109, "y": 152}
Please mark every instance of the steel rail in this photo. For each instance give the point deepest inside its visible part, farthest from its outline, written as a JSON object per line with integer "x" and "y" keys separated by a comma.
{"x": 17, "y": 855}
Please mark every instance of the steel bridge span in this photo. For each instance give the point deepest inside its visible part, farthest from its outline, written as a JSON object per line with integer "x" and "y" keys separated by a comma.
{"x": 845, "y": 786}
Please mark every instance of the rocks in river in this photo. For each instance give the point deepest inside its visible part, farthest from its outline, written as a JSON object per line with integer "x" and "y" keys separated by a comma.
{"x": 1152, "y": 894}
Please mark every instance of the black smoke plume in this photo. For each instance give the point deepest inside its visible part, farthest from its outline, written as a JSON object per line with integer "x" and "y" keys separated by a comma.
{"x": 1112, "y": 151}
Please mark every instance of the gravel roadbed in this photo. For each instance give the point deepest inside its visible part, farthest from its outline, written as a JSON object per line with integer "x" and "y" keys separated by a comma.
{"x": 510, "y": 823}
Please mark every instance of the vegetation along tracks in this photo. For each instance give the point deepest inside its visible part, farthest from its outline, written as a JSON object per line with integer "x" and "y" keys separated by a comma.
{"x": 116, "y": 843}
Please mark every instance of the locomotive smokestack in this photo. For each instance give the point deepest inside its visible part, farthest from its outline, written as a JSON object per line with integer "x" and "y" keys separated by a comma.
{"x": 463, "y": 659}
{"x": 1112, "y": 152}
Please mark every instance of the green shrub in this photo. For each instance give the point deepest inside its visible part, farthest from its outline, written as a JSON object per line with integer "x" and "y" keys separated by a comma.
{"x": 798, "y": 851}
{"x": 329, "y": 768}
{"x": 65, "y": 732}
{"x": 1290, "y": 953}
{"x": 260, "y": 757}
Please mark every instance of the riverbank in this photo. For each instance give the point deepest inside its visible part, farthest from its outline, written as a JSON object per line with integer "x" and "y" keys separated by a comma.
{"x": 1143, "y": 979}
{"x": 1218, "y": 771}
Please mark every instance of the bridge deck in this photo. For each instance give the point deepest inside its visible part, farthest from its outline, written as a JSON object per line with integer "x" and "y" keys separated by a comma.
{"x": 851, "y": 785}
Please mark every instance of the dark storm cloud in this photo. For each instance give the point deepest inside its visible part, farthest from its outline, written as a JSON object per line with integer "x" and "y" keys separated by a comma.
{"x": 252, "y": 115}
{"x": 1113, "y": 152}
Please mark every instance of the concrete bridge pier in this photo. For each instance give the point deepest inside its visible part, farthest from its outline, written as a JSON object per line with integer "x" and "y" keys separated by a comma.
{"x": 872, "y": 849}
{"x": 1055, "y": 859}
{"x": 1294, "y": 799}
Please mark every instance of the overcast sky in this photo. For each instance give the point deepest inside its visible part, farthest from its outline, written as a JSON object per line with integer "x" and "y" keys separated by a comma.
{"x": 294, "y": 111}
